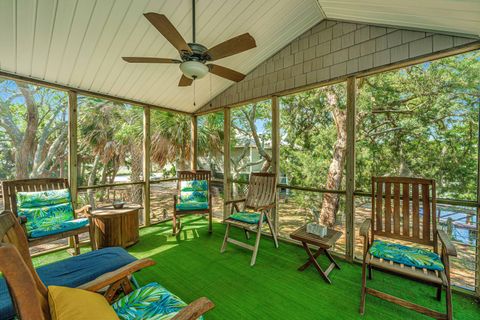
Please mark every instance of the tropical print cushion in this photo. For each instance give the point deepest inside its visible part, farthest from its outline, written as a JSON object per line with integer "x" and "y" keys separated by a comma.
{"x": 193, "y": 195}
{"x": 42, "y": 198}
{"x": 186, "y": 206}
{"x": 248, "y": 217}
{"x": 409, "y": 256}
{"x": 58, "y": 228}
{"x": 47, "y": 212}
{"x": 149, "y": 302}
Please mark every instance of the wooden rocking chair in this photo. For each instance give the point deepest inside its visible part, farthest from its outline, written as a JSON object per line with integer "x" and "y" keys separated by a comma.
{"x": 257, "y": 209}
{"x": 184, "y": 202}
{"x": 12, "y": 187}
{"x": 405, "y": 222}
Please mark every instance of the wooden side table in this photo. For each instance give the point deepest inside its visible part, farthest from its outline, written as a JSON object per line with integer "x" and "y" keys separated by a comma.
{"x": 115, "y": 227}
{"x": 323, "y": 244}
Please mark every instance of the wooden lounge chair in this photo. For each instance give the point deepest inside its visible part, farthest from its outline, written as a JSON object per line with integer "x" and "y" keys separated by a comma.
{"x": 194, "y": 196}
{"x": 257, "y": 209}
{"x": 68, "y": 224}
{"x": 408, "y": 215}
{"x": 30, "y": 293}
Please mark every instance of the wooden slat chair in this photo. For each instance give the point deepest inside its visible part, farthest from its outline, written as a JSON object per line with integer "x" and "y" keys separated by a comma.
{"x": 185, "y": 202}
{"x": 404, "y": 209}
{"x": 77, "y": 226}
{"x": 257, "y": 208}
{"x": 30, "y": 294}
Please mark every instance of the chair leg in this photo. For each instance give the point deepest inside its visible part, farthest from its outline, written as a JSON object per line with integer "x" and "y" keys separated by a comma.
{"x": 247, "y": 234}
{"x": 91, "y": 232}
{"x": 439, "y": 293}
{"x": 369, "y": 272}
{"x": 210, "y": 221}
{"x": 257, "y": 245}
{"x": 275, "y": 240}
{"x": 364, "y": 289}
{"x": 76, "y": 246}
{"x": 174, "y": 225}
{"x": 224, "y": 244}
{"x": 448, "y": 296}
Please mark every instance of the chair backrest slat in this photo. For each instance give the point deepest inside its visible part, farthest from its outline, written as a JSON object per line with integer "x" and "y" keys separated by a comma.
{"x": 261, "y": 190}
{"x": 11, "y": 187}
{"x": 426, "y": 212}
{"x": 396, "y": 208}
{"x": 408, "y": 206}
{"x": 415, "y": 211}
{"x": 388, "y": 207}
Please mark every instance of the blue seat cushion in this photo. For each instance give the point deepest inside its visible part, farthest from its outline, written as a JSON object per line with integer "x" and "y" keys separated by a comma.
{"x": 247, "y": 217}
{"x": 409, "y": 256}
{"x": 191, "y": 205}
{"x": 149, "y": 302}
{"x": 72, "y": 272}
{"x": 60, "y": 227}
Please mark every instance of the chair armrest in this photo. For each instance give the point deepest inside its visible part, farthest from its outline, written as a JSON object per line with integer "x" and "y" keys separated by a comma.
{"x": 85, "y": 210}
{"x": 114, "y": 276}
{"x": 447, "y": 243}
{"x": 365, "y": 227}
{"x": 270, "y": 206}
{"x": 195, "y": 309}
{"x": 235, "y": 201}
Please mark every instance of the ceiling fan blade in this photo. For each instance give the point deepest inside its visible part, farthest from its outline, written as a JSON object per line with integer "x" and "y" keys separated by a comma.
{"x": 232, "y": 46}
{"x": 226, "y": 73}
{"x": 150, "y": 60}
{"x": 167, "y": 29}
{"x": 185, "y": 81}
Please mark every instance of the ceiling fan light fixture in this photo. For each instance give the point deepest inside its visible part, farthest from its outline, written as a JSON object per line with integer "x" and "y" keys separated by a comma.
{"x": 194, "y": 69}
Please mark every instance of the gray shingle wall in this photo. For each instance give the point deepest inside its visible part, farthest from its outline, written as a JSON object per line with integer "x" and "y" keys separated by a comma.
{"x": 330, "y": 50}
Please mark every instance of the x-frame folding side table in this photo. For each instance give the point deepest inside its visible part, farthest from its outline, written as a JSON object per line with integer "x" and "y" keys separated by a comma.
{"x": 323, "y": 244}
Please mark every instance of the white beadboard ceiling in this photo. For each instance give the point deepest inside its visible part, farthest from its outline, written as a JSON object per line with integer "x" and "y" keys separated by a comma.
{"x": 450, "y": 16}
{"x": 79, "y": 43}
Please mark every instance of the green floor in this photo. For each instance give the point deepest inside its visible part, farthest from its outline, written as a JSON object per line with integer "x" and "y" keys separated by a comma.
{"x": 191, "y": 266}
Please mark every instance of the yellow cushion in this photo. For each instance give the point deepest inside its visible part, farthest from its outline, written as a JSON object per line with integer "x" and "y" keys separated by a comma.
{"x": 77, "y": 304}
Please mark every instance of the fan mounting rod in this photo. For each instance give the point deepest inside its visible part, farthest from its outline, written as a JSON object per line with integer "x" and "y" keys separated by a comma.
{"x": 193, "y": 21}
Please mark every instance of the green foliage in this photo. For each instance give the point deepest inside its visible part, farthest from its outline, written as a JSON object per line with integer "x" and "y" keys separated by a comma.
{"x": 308, "y": 135}
{"x": 422, "y": 121}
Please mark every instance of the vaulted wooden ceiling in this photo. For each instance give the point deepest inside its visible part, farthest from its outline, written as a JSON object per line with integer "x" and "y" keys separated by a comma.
{"x": 78, "y": 43}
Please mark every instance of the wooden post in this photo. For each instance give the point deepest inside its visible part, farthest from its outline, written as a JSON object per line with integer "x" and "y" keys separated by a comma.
{"x": 477, "y": 276}
{"x": 276, "y": 155}
{"x": 72, "y": 146}
{"x": 350, "y": 170}
{"x": 146, "y": 165}
{"x": 194, "y": 142}
{"x": 226, "y": 161}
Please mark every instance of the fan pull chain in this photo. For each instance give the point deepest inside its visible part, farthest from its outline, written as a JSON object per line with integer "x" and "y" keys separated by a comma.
{"x": 210, "y": 89}
{"x": 194, "y": 86}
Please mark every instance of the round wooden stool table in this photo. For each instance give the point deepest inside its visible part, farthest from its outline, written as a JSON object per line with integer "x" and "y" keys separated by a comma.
{"x": 115, "y": 227}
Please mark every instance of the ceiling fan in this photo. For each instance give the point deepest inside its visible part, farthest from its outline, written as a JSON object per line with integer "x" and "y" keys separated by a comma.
{"x": 194, "y": 56}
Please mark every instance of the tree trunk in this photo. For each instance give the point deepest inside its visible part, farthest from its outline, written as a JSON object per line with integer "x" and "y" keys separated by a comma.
{"x": 330, "y": 201}
{"x": 24, "y": 154}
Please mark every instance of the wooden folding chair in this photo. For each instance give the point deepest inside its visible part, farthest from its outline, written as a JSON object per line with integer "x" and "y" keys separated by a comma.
{"x": 407, "y": 214}
{"x": 257, "y": 209}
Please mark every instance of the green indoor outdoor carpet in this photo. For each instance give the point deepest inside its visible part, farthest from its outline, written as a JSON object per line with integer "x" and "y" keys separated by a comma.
{"x": 191, "y": 266}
